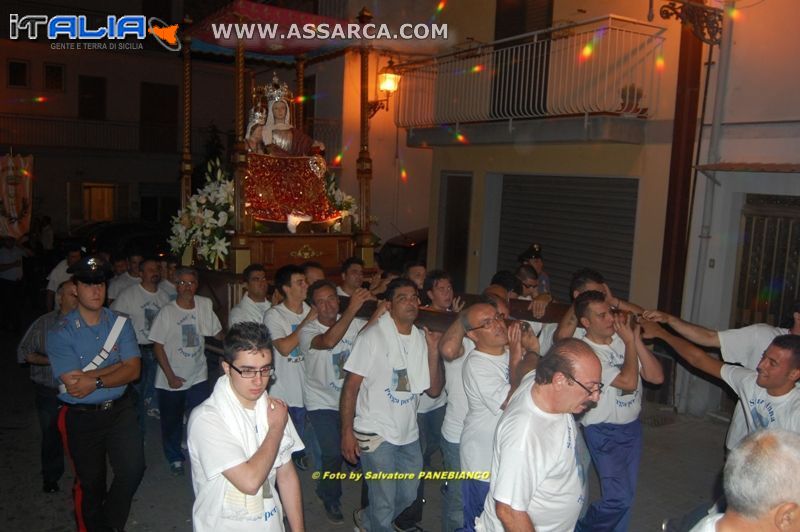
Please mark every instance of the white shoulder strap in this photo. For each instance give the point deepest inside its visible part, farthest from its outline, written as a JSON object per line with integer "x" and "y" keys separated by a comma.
{"x": 104, "y": 353}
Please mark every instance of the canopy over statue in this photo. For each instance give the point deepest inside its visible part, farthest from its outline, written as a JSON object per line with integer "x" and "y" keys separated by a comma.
{"x": 285, "y": 172}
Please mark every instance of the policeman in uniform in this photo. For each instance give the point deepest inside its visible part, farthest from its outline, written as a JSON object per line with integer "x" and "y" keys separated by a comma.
{"x": 94, "y": 354}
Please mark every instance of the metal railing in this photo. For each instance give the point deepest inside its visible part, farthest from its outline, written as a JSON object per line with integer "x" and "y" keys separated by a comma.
{"x": 604, "y": 65}
{"x": 329, "y": 132}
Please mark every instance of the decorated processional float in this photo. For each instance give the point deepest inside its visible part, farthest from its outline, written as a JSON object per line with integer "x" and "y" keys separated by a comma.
{"x": 279, "y": 204}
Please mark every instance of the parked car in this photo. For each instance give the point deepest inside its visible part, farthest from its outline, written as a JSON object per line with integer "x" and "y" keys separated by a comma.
{"x": 119, "y": 237}
{"x": 403, "y": 248}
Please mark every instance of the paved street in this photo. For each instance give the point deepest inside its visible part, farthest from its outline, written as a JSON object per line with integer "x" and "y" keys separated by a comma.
{"x": 682, "y": 456}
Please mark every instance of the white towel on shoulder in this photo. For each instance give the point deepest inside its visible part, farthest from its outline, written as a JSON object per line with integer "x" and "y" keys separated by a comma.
{"x": 238, "y": 505}
{"x": 415, "y": 360}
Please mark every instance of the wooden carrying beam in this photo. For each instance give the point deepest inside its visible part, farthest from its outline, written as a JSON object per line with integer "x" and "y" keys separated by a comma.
{"x": 439, "y": 321}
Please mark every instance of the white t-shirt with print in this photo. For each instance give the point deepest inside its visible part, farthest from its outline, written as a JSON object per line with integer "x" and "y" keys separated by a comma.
{"x": 546, "y": 340}
{"x": 213, "y": 449}
{"x": 457, "y": 407}
{"x": 179, "y": 331}
{"x": 290, "y": 373}
{"x": 248, "y": 310}
{"x": 142, "y": 306}
{"x": 486, "y": 385}
{"x": 614, "y": 406}
{"x": 429, "y": 404}
{"x": 745, "y": 346}
{"x": 119, "y": 283}
{"x": 325, "y": 367}
{"x": 385, "y": 404}
{"x": 534, "y": 466}
{"x": 762, "y": 410}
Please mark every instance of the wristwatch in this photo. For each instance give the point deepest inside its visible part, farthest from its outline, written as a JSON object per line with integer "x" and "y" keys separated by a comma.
{"x": 98, "y": 383}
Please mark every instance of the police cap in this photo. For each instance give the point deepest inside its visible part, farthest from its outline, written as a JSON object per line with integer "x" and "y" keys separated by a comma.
{"x": 534, "y": 251}
{"x": 91, "y": 270}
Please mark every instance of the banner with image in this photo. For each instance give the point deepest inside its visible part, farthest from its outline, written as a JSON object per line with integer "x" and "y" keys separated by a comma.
{"x": 16, "y": 177}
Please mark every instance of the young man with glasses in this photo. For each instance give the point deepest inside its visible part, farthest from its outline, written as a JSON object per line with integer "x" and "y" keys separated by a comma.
{"x": 491, "y": 373}
{"x": 241, "y": 442}
{"x": 613, "y": 431}
{"x": 536, "y": 478}
{"x": 178, "y": 335}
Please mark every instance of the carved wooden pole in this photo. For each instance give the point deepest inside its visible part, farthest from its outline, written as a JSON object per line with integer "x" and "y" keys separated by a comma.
{"x": 364, "y": 245}
{"x": 300, "y": 73}
{"x": 240, "y": 150}
{"x": 186, "y": 154}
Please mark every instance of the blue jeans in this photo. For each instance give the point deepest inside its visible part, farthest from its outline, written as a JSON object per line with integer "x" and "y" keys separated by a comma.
{"x": 387, "y": 498}
{"x": 473, "y": 493}
{"x": 173, "y": 405}
{"x": 327, "y": 427}
{"x": 430, "y": 437}
{"x": 616, "y": 451}
{"x": 452, "y": 508}
{"x": 145, "y": 386}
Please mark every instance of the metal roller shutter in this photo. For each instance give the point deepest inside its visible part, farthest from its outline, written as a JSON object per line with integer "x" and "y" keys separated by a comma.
{"x": 580, "y": 222}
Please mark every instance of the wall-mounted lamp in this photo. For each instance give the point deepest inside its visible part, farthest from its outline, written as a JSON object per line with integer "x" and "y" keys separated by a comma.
{"x": 388, "y": 82}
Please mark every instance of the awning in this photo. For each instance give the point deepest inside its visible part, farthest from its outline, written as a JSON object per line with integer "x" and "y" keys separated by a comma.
{"x": 269, "y": 33}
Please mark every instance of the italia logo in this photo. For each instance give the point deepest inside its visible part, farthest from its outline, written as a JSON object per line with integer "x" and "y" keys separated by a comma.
{"x": 76, "y": 27}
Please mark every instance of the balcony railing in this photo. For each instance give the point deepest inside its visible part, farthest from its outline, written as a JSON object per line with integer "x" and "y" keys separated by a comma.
{"x": 605, "y": 65}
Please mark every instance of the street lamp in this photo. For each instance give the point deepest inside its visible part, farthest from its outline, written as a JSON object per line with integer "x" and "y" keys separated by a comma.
{"x": 388, "y": 82}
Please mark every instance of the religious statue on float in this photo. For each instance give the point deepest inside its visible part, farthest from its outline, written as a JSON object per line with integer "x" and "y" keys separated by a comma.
{"x": 285, "y": 171}
{"x": 270, "y": 130}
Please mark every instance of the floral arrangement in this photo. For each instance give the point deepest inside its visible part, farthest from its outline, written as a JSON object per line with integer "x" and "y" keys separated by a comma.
{"x": 207, "y": 217}
{"x": 339, "y": 200}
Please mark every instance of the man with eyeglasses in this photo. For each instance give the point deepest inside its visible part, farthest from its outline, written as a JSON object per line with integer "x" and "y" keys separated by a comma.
{"x": 536, "y": 478}
{"x": 241, "y": 442}
{"x": 254, "y": 303}
{"x": 326, "y": 343}
{"x": 178, "y": 335}
{"x": 391, "y": 364}
{"x": 613, "y": 431}
{"x": 491, "y": 374}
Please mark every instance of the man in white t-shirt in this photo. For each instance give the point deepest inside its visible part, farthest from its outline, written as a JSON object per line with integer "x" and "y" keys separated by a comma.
{"x": 352, "y": 276}
{"x": 142, "y": 303}
{"x": 285, "y": 322}
{"x": 768, "y": 395}
{"x": 612, "y": 431}
{"x": 761, "y": 485}
{"x": 129, "y": 278}
{"x": 254, "y": 303}
{"x": 326, "y": 343}
{"x": 452, "y": 348}
{"x": 743, "y": 346}
{"x": 241, "y": 441}
{"x": 491, "y": 374}
{"x": 178, "y": 335}
{"x": 59, "y": 274}
{"x": 391, "y": 364}
{"x": 536, "y": 478}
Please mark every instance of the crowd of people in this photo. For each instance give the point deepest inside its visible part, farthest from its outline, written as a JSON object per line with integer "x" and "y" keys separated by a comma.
{"x": 518, "y": 409}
